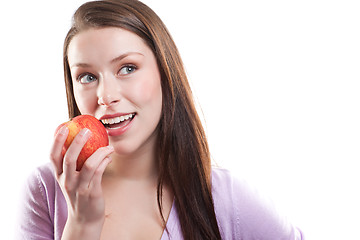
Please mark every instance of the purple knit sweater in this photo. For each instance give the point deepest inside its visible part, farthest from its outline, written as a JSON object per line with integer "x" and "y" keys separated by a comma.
{"x": 241, "y": 213}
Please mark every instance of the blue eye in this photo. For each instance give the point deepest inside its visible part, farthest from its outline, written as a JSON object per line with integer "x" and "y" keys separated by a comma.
{"x": 127, "y": 70}
{"x": 86, "y": 78}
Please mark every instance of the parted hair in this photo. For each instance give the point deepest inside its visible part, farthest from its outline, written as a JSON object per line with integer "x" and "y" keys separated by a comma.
{"x": 184, "y": 157}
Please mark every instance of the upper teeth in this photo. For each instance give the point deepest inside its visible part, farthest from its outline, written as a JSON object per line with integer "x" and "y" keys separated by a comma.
{"x": 117, "y": 119}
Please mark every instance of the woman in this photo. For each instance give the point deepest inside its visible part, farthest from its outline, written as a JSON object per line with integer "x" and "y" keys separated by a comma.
{"x": 155, "y": 180}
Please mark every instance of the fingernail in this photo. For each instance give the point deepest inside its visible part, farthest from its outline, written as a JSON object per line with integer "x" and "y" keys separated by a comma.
{"x": 111, "y": 148}
{"x": 63, "y": 130}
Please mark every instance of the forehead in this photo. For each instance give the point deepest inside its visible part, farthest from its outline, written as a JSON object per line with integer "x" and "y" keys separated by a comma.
{"x": 105, "y": 43}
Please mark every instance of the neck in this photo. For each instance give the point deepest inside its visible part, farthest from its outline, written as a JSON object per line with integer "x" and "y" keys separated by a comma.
{"x": 138, "y": 166}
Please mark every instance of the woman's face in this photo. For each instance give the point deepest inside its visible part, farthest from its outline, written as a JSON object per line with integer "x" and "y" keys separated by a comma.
{"x": 117, "y": 80}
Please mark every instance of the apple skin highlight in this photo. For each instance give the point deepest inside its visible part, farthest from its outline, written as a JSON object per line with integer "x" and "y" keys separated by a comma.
{"x": 99, "y": 137}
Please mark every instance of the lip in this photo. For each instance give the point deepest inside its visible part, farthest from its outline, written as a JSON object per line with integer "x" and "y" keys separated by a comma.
{"x": 118, "y": 131}
{"x": 107, "y": 116}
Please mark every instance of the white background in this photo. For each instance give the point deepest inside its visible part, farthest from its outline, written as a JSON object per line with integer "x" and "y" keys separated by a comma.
{"x": 277, "y": 82}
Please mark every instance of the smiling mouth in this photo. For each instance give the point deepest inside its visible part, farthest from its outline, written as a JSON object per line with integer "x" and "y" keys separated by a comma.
{"x": 118, "y": 122}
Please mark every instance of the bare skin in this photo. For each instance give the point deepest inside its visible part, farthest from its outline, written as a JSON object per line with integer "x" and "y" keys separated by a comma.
{"x": 131, "y": 209}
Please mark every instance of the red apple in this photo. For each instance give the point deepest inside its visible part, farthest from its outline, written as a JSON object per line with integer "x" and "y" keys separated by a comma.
{"x": 98, "y": 138}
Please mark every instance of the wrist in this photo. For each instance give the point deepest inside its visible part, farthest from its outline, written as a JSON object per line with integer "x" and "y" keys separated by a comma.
{"x": 76, "y": 229}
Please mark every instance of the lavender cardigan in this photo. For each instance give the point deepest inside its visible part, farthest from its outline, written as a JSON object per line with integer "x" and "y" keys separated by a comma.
{"x": 241, "y": 213}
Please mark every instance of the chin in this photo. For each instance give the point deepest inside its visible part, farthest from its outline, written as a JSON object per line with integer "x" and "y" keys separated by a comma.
{"x": 129, "y": 148}
{"x": 125, "y": 150}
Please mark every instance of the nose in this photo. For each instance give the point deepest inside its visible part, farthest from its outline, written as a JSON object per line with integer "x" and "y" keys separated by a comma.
{"x": 108, "y": 92}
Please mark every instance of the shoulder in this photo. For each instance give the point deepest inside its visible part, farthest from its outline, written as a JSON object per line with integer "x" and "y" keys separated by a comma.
{"x": 41, "y": 189}
{"x": 45, "y": 173}
{"x": 37, "y": 208}
{"x": 221, "y": 179}
{"x": 41, "y": 181}
{"x": 225, "y": 191}
{"x": 244, "y": 213}
{"x": 226, "y": 185}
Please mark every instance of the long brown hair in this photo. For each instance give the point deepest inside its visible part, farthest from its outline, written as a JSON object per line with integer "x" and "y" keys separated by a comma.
{"x": 184, "y": 158}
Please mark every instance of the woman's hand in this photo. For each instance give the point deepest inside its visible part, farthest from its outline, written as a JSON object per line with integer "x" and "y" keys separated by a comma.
{"x": 82, "y": 189}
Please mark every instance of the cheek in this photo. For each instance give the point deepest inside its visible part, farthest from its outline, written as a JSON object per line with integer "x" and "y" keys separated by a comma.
{"x": 86, "y": 101}
{"x": 149, "y": 91}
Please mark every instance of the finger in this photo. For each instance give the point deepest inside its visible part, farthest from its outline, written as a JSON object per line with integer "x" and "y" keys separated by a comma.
{"x": 56, "y": 156}
{"x": 91, "y": 165}
{"x": 72, "y": 153}
{"x": 95, "y": 183}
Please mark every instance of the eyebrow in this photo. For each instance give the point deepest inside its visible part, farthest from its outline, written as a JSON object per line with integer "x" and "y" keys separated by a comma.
{"x": 119, "y": 58}
{"x": 122, "y": 56}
